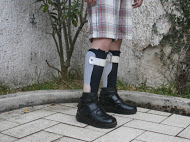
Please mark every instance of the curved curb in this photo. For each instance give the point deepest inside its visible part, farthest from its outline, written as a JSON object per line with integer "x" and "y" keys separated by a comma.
{"x": 147, "y": 100}
{"x": 170, "y": 104}
{"x": 40, "y": 97}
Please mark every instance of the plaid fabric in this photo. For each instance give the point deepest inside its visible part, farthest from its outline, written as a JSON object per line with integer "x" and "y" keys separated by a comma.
{"x": 110, "y": 19}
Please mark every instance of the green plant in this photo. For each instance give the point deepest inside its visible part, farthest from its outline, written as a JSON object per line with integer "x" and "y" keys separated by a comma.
{"x": 72, "y": 81}
{"x": 4, "y": 89}
{"x": 163, "y": 90}
{"x": 66, "y": 17}
{"x": 179, "y": 39}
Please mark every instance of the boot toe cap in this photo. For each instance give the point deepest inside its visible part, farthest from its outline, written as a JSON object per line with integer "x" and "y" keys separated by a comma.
{"x": 128, "y": 108}
{"x": 111, "y": 120}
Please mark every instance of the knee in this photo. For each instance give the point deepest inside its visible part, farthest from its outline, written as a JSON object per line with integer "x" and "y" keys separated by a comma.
{"x": 118, "y": 42}
{"x": 116, "y": 45}
{"x": 103, "y": 41}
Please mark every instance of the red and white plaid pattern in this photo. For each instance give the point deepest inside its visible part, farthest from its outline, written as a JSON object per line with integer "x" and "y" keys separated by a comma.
{"x": 110, "y": 19}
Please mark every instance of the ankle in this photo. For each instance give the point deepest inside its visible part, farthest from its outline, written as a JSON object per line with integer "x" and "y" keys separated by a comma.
{"x": 90, "y": 95}
{"x": 109, "y": 89}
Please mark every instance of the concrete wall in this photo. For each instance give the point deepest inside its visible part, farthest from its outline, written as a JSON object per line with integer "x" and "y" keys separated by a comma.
{"x": 24, "y": 46}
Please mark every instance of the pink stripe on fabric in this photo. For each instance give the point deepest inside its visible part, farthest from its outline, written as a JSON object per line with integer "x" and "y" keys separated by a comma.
{"x": 122, "y": 18}
{"x": 90, "y": 10}
{"x": 101, "y": 9}
{"x": 101, "y": 16}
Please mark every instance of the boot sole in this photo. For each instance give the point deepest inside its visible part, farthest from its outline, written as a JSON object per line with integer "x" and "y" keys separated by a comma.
{"x": 107, "y": 109}
{"x": 86, "y": 120}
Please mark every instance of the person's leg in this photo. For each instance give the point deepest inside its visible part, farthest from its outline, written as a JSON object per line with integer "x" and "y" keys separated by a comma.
{"x": 102, "y": 20}
{"x": 111, "y": 68}
{"x": 109, "y": 97}
{"x": 102, "y": 43}
{"x": 93, "y": 72}
{"x": 116, "y": 46}
{"x": 89, "y": 110}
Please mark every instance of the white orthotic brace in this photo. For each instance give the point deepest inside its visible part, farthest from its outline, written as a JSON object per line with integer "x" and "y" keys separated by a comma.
{"x": 108, "y": 67}
{"x": 90, "y": 61}
{"x": 97, "y": 61}
{"x": 112, "y": 59}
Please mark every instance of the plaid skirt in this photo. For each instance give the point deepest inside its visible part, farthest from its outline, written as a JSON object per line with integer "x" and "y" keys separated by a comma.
{"x": 110, "y": 19}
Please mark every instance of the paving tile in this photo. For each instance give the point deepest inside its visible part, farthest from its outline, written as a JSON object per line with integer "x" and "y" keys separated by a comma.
{"x": 120, "y": 121}
{"x": 136, "y": 141}
{"x": 10, "y": 114}
{"x": 185, "y": 133}
{"x": 122, "y": 134}
{"x": 1, "y": 119}
{"x": 37, "y": 107}
{"x": 145, "y": 116}
{"x": 68, "y": 119}
{"x": 155, "y": 127}
{"x": 156, "y": 137}
{"x": 17, "y": 112}
{"x": 177, "y": 120}
{"x": 66, "y": 139}
{"x": 41, "y": 136}
{"x": 130, "y": 127}
{"x": 103, "y": 131}
{"x": 24, "y": 118}
{"x": 159, "y": 113}
{"x": 62, "y": 109}
{"x": 6, "y": 125}
{"x": 70, "y": 104}
{"x": 5, "y": 138}
{"x": 74, "y": 132}
{"x": 72, "y": 111}
{"x": 140, "y": 109}
{"x": 29, "y": 128}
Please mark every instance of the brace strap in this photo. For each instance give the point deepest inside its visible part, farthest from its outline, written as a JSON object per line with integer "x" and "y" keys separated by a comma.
{"x": 112, "y": 59}
{"x": 97, "y": 61}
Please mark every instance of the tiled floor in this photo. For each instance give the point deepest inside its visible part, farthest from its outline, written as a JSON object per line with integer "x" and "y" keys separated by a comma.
{"x": 57, "y": 123}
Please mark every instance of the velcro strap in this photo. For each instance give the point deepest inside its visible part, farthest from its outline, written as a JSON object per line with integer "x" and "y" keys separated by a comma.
{"x": 97, "y": 61}
{"x": 112, "y": 59}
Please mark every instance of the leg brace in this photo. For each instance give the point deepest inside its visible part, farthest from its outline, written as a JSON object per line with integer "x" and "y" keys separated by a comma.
{"x": 110, "y": 70}
{"x": 95, "y": 60}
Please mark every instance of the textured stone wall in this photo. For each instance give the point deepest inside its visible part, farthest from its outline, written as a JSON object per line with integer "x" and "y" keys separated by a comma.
{"x": 24, "y": 46}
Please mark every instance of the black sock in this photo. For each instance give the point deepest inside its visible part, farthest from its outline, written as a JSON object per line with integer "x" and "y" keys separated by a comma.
{"x": 112, "y": 77}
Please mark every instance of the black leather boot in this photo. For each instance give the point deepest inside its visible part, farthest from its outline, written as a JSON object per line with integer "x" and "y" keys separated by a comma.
{"x": 111, "y": 102}
{"x": 91, "y": 112}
